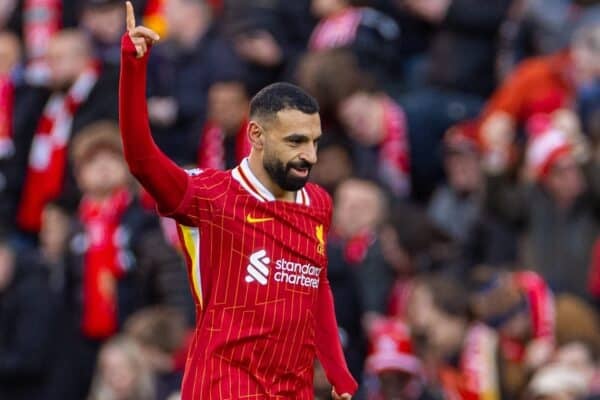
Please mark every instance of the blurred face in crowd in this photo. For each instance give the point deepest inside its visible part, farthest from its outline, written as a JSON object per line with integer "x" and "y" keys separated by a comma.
{"x": 362, "y": 117}
{"x": 393, "y": 253}
{"x": 103, "y": 172}
{"x": 117, "y": 371}
{"x": 565, "y": 181}
{"x": 358, "y": 207}
{"x": 325, "y": 8}
{"x": 182, "y": 15}
{"x": 393, "y": 384}
{"x": 228, "y": 105}
{"x": 68, "y": 55}
{"x": 425, "y": 320}
{"x": 463, "y": 170}
{"x": 54, "y": 231}
{"x": 333, "y": 167}
{"x": 10, "y": 52}
{"x": 7, "y": 266}
{"x": 104, "y": 22}
{"x": 288, "y": 144}
{"x": 586, "y": 54}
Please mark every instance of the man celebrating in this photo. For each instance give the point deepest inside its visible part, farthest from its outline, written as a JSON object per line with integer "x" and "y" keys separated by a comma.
{"x": 255, "y": 244}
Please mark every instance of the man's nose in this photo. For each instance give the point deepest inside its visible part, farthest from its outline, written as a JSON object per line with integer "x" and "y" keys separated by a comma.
{"x": 310, "y": 154}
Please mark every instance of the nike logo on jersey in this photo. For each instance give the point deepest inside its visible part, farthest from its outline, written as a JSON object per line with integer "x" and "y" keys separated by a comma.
{"x": 251, "y": 220}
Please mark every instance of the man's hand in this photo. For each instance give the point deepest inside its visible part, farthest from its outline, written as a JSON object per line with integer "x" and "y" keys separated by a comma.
{"x": 141, "y": 36}
{"x": 345, "y": 396}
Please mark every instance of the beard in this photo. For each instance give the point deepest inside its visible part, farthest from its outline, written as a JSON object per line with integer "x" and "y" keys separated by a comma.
{"x": 283, "y": 176}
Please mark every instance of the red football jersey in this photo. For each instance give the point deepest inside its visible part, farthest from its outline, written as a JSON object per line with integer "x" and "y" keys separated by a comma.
{"x": 256, "y": 267}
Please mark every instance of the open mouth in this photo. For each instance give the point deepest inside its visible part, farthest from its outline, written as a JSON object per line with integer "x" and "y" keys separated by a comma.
{"x": 303, "y": 172}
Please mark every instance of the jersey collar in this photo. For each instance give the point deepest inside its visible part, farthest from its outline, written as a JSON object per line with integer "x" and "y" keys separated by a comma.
{"x": 244, "y": 176}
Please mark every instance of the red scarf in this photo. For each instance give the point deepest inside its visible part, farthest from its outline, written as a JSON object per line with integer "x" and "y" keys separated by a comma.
{"x": 211, "y": 153}
{"x": 594, "y": 274}
{"x": 356, "y": 248}
{"x": 48, "y": 154}
{"x": 42, "y": 19}
{"x": 102, "y": 264}
{"x": 541, "y": 309}
{"x": 336, "y": 31}
{"x": 477, "y": 377}
{"x": 394, "y": 156}
{"x": 400, "y": 297}
{"x": 7, "y": 91}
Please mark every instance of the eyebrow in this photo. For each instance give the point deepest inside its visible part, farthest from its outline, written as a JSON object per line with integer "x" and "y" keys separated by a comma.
{"x": 299, "y": 137}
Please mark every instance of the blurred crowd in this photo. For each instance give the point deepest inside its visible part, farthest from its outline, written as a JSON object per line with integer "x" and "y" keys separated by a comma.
{"x": 461, "y": 146}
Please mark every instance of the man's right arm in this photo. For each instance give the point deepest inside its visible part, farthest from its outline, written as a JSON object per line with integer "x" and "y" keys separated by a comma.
{"x": 161, "y": 177}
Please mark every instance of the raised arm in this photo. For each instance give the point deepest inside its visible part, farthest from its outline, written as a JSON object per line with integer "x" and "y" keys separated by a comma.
{"x": 161, "y": 177}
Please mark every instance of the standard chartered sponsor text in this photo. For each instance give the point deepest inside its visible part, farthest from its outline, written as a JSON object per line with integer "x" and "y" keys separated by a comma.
{"x": 305, "y": 275}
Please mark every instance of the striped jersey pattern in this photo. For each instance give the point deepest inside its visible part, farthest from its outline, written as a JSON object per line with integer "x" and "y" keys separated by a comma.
{"x": 255, "y": 267}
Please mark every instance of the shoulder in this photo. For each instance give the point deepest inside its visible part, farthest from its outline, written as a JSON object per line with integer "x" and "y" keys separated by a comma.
{"x": 318, "y": 196}
{"x": 207, "y": 175}
{"x": 211, "y": 182}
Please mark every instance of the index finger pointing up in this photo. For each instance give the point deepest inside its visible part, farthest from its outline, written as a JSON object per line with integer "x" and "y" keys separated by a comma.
{"x": 130, "y": 16}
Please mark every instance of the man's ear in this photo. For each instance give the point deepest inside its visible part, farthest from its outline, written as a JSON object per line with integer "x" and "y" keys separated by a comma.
{"x": 256, "y": 135}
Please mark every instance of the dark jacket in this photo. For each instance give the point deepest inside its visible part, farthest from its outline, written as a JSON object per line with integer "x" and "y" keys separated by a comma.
{"x": 185, "y": 75}
{"x": 463, "y": 52}
{"x": 26, "y": 326}
{"x": 156, "y": 274}
{"x": 558, "y": 243}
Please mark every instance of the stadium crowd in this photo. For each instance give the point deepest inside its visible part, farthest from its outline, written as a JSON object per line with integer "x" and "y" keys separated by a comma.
{"x": 461, "y": 146}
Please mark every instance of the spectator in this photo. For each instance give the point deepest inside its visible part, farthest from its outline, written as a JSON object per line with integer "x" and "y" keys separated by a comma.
{"x": 375, "y": 123}
{"x": 268, "y": 37}
{"x": 540, "y": 85}
{"x": 557, "y": 211}
{"x": 455, "y": 87}
{"x": 102, "y": 20}
{"x": 183, "y": 68}
{"x": 456, "y": 207}
{"x": 224, "y": 142}
{"x": 372, "y": 36}
{"x": 160, "y": 333}
{"x": 354, "y": 243}
{"x": 121, "y": 373}
{"x": 461, "y": 356}
{"x": 520, "y": 307}
{"x": 392, "y": 361}
{"x": 335, "y": 163}
{"x": 118, "y": 260}
{"x": 411, "y": 246}
{"x": 26, "y": 326}
{"x": 356, "y": 270}
{"x": 82, "y": 92}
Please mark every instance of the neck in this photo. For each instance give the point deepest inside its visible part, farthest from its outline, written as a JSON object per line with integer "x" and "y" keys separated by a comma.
{"x": 257, "y": 168}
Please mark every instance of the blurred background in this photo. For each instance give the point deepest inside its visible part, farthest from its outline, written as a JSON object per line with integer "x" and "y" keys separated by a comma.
{"x": 461, "y": 146}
